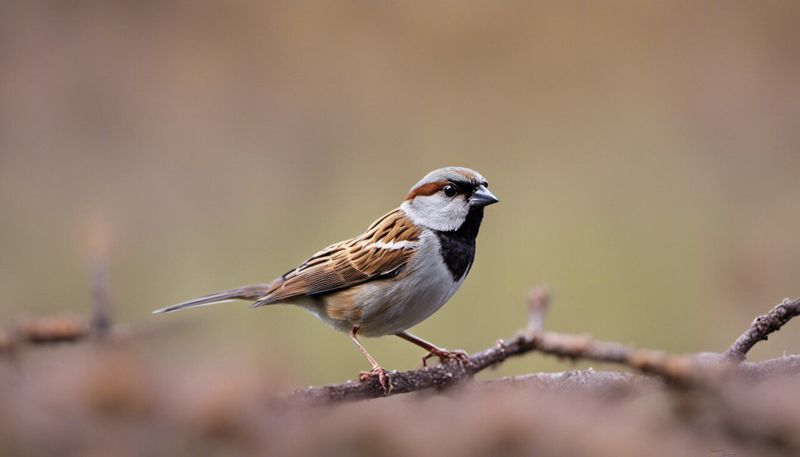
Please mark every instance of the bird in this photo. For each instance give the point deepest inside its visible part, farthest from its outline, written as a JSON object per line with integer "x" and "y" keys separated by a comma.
{"x": 397, "y": 273}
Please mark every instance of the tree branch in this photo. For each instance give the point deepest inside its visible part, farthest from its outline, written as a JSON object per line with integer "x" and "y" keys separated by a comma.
{"x": 761, "y": 327}
{"x": 560, "y": 345}
{"x": 676, "y": 369}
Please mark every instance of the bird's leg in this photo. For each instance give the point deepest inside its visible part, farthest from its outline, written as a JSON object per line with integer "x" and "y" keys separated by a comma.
{"x": 383, "y": 378}
{"x": 444, "y": 355}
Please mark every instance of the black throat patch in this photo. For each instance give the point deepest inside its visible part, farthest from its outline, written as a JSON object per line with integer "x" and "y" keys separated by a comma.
{"x": 458, "y": 247}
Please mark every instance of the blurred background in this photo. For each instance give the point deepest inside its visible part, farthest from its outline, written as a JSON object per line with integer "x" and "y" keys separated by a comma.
{"x": 646, "y": 154}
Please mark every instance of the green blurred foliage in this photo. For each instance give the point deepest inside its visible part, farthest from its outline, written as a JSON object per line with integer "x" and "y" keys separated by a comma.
{"x": 646, "y": 156}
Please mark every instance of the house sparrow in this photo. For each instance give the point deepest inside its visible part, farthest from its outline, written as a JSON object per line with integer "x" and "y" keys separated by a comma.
{"x": 390, "y": 278}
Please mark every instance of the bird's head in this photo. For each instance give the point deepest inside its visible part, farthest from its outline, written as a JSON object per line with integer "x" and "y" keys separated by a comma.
{"x": 444, "y": 198}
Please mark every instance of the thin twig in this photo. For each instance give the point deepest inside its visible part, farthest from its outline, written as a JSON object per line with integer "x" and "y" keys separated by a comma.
{"x": 761, "y": 327}
{"x": 100, "y": 322}
{"x": 538, "y": 301}
{"x": 42, "y": 331}
{"x": 99, "y": 245}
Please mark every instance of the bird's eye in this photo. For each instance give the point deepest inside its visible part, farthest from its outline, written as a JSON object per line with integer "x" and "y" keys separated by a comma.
{"x": 450, "y": 190}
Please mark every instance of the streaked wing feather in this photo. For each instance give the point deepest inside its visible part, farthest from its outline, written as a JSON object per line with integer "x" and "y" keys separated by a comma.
{"x": 351, "y": 262}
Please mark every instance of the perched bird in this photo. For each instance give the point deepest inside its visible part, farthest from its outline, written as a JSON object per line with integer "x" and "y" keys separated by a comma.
{"x": 397, "y": 273}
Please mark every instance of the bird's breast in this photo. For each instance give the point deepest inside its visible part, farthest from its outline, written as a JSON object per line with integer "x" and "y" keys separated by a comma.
{"x": 391, "y": 306}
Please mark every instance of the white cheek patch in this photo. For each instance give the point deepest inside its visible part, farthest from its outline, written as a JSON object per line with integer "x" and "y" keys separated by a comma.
{"x": 437, "y": 212}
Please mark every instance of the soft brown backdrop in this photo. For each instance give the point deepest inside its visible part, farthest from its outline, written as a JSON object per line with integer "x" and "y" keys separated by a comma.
{"x": 646, "y": 154}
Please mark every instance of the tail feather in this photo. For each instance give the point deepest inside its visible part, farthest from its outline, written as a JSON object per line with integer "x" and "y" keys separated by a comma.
{"x": 254, "y": 292}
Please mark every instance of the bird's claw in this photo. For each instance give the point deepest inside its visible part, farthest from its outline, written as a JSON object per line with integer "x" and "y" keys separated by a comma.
{"x": 383, "y": 378}
{"x": 445, "y": 356}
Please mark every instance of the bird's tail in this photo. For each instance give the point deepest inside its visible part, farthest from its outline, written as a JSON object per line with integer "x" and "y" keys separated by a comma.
{"x": 254, "y": 292}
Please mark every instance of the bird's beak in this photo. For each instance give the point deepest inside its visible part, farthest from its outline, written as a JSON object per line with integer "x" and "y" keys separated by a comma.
{"x": 482, "y": 197}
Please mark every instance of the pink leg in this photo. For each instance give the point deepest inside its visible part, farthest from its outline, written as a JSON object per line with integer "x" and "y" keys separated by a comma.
{"x": 383, "y": 378}
{"x": 433, "y": 350}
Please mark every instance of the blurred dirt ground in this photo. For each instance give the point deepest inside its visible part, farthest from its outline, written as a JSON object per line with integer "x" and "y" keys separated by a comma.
{"x": 114, "y": 400}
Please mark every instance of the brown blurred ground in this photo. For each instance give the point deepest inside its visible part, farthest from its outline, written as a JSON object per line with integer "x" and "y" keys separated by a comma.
{"x": 94, "y": 400}
{"x": 646, "y": 155}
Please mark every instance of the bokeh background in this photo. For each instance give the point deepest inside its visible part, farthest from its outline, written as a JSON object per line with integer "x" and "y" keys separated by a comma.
{"x": 647, "y": 156}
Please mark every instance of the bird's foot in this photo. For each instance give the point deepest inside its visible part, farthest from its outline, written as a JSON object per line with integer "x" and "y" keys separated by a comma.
{"x": 383, "y": 378}
{"x": 445, "y": 356}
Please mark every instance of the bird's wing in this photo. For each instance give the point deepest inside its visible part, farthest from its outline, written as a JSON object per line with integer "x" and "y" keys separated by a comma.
{"x": 381, "y": 252}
